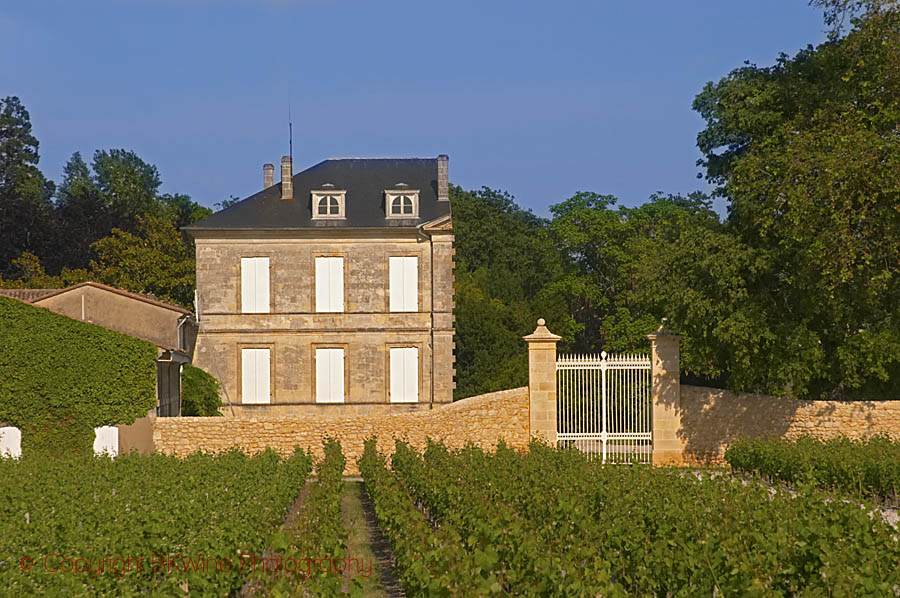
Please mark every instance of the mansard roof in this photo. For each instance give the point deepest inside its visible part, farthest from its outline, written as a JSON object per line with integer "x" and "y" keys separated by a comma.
{"x": 364, "y": 179}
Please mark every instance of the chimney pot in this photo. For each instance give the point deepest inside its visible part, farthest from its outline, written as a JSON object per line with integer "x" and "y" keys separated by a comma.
{"x": 287, "y": 178}
{"x": 443, "y": 181}
{"x": 268, "y": 175}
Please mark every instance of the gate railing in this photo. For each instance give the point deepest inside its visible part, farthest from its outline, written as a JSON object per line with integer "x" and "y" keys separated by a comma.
{"x": 604, "y": 406}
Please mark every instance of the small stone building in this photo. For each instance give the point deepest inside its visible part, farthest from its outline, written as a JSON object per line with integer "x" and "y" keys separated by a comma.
{"x": 171, "y": 328}
{"x": 331, "y": 290}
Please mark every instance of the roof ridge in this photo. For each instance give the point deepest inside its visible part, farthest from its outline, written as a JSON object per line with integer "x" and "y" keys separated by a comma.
{"x": 380, "y": 158}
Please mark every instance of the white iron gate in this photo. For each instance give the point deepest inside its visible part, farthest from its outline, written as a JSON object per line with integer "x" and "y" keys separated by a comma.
{"x": 604, "y": 406}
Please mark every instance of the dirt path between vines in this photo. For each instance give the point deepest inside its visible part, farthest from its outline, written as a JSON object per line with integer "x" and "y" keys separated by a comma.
{"x": 369, "y": 533}
{"x": 250, "y": 589}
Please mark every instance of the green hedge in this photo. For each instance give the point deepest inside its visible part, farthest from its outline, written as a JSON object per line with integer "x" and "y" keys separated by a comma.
{"x": 862, "y": 468}
{"x": 60, "y": 378}
{"x": 199, "y": 392}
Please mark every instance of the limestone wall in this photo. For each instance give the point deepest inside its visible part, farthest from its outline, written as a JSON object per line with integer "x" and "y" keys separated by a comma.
{"x": 483, "y": 420}
{"x": 366, "y": 330}
{"x": 711, "y": 419}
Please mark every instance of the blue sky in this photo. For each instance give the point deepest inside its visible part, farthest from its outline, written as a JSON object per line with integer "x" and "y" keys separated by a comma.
{"x": 541, "y": 99}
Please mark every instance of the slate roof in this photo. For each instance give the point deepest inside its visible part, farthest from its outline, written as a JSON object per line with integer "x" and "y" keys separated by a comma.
{"x": 364, "y": 179}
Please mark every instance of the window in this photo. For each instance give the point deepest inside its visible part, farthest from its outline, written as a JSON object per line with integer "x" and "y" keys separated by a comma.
{"x": 329, "y": 284}
{"x": 329, "y": 375}
{"x": 255, "y": 376}
{"x": 255, "y": 285}
{"x": 404, "y": 375}
{"x": 404, "y": 280}
{"x": 328, "y": 204}
{"x": 402, "y": 203}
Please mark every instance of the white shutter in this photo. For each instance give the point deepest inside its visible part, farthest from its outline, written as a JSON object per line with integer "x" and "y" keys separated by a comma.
{"x": 106, "y": 441}
{"x": 329, "y": 375}
{"x": 322, "y": 285}
{"x": 404, "y": 375}
{"x": 254, "y": 285}
{"x": 337, "y": 283}
{"x": 329, "y": 284}
{"x": 255, "y": 370}
{"x": 404, "y": 281}
{"x": 411, "y": 284}
{"x": 396, "y": 282}
{"x": 262, "y": 285}
{"x": 411, "y": 375}
{"x": 396, "y": 375}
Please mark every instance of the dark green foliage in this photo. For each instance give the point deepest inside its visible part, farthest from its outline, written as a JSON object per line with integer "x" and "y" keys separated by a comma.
{"x": 62, "y": 378}
{"x": 808, "y": 155}
{"x": 864, "y": 469}
{"x": 203, "y": 506}
{"x": 533, "y": 522}
{"x": 26, "y": 218}
{"x": 504, "y": 260}
{"x": 430, "y": 561}
{"x": 199, "y": 392}
{"x": 318, "y": 533}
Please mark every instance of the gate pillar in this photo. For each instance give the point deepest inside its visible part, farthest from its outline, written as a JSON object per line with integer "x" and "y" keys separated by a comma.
{"x": 668, "y": 448}
{"x": 542, "y": 383}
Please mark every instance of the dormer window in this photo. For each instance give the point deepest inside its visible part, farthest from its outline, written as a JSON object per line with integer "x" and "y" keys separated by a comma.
{"x": 328, "y": 204}
{"x": 402, "y": 203}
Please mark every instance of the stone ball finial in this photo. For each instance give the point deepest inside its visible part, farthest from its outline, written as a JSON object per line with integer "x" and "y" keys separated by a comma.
{"x": 541, "y": 322}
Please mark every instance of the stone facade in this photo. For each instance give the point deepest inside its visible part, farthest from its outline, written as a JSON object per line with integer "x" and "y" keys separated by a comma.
{"x": 484, "y": 421}
{"x": 366, "y": 330}
{"x": 712, "y": 419}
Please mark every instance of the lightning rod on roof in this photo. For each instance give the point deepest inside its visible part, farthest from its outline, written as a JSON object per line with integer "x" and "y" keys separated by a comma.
{"x": 290, "y": 131}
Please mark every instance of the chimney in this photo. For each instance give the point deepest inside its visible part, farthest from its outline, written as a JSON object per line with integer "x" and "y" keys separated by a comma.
{"x": 443, "y": 180}
{"x": 268, "y": 175}
{"x": 287, "y": 178}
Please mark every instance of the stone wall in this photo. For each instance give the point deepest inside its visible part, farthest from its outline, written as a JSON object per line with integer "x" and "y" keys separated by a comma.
{"x": 711, "y": 419}
{"x": 483, "y": 420}
{"x": 292, "y": 331}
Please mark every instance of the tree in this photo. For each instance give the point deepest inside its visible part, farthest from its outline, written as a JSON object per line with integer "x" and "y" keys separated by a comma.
{"x": 129, "y": 185}
{"x": 26, "y": 222}
{"x": 808, "y": 154}
{"x": 505, "y": 259}
{"x": 199, "y": 393}
{"x": 82, "y": 212}
{"x": 153, "y": 260}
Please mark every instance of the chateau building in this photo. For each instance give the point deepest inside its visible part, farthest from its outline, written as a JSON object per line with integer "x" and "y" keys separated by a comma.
{"x": 332, "y": 289}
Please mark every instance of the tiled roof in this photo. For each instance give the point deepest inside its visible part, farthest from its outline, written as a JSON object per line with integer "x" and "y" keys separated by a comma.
{"x": 26, "y": 295}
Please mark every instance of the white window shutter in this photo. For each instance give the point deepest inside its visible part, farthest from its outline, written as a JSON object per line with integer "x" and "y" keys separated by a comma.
{"x": 329, "y": 375}
{"x": 248, "y": 375}
{"x": 411, "y": 284}
{"x": 337, "y": 375}
{"x": 404, "y": 283}
{"x": 248, "y": 285}
{"x": 322, "y": 285}
{"x": 395, "y": 267}
{"x": 329, "y": 284}
{"x": 255, "y": 364}
{"x": 411, "y": 375}
{"x": 337, "y": 284}
{"x": 404, "y": 375}
{"x": 263, "y": 393}
{"x": 262, "y": 285}
{"x": 254, "y": 285}
{"x": 396, "y": 375}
